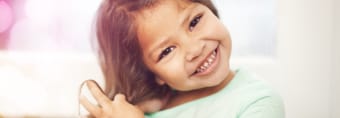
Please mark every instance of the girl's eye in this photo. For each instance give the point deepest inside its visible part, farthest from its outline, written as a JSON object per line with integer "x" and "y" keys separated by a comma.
{"x": 165, "y": 52}
{"x": 194, "y": 22}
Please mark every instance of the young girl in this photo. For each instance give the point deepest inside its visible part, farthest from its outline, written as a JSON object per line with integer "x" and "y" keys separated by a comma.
{"x": 170, "y": 58}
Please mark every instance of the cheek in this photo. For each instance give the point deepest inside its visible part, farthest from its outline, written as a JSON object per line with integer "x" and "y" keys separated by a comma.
{"x": 171, "y": 72}
{"x": 219, "y": 31}
{"x": 222, "y": 34}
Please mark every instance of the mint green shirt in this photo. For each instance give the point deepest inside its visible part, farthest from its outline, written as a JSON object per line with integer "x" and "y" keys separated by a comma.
{"x": 244, "y": 97}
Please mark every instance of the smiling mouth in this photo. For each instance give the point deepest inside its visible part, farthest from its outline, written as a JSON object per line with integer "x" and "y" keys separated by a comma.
{"x": 207, "y": 63}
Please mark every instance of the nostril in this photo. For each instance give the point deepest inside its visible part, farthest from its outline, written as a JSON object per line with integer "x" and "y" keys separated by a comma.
{"x": 191, "y": 57}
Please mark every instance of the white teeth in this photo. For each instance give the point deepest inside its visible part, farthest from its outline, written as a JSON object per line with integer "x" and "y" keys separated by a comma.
{"x": 213, "y": 55}
{"x": 210, "y": 60}
{"x": 207, "y": 62}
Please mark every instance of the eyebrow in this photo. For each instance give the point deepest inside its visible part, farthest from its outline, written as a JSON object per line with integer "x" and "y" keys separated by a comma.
{"x": 187, "y": 15}
{"x": 187, "y": 12}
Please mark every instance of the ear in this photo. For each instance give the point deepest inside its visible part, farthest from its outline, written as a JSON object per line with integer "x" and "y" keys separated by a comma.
{"x": 160, "y": 81}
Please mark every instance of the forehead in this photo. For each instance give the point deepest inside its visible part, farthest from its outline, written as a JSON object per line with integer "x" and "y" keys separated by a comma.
{"x": 161, "y": 7}
{"x": 160, "y": 21}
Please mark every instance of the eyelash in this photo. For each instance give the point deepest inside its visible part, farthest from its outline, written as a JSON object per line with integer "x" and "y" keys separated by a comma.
{"x": 194, "y": 22}
{"x": 165, "y": 52}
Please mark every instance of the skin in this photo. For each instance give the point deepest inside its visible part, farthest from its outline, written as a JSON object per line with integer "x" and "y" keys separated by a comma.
{"x": 190, "y": 32}
{"x": 118, "y": 108}
{"x": 189, "y": 45}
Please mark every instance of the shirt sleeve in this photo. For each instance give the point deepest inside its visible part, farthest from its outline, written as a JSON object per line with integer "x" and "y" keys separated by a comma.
{"x": 266, "y": 107}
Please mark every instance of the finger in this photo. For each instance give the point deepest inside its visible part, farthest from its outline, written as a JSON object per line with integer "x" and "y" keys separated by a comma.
{"x": 120, "y": 98}
{"x": 93, "y": 109}
{"x": 98, "y": 93}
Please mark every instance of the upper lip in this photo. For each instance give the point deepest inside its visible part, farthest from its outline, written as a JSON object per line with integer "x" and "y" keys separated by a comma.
{"x": 202, "y": 61}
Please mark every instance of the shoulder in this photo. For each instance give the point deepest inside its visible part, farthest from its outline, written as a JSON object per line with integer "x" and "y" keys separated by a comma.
{"x": 256, "y": 98}
{"x": 266, "y": 107}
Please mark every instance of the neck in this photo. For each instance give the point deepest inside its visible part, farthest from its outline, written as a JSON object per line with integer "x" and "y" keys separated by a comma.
{"x": 187, "y": 96}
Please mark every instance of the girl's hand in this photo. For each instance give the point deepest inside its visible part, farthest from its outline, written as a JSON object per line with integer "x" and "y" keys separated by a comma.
{"x": 118, "y": 108}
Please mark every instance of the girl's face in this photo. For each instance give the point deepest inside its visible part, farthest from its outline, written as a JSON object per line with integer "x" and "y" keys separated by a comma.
{"x": 184, "y": 44}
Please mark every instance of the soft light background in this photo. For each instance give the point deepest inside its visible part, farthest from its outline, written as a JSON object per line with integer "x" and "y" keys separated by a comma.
{"x": 45, "y": 56}
{"x": 252, "y": 25}
{"x": 294, "y": 44}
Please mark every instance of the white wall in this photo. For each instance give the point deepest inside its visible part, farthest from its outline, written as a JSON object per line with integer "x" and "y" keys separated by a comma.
{"x": 255, "y": 37}
{"x": 335, "y": 108}
{"x": 305, "y": 32}
{"x": 302, "y": 69}
{"x": 38, "y": 84}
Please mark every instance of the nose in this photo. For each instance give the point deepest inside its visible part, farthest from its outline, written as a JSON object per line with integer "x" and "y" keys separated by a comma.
{"x": 194, "y": 49}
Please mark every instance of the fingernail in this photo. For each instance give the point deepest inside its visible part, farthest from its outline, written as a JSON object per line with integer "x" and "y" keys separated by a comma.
{"x": 88, "y": 82}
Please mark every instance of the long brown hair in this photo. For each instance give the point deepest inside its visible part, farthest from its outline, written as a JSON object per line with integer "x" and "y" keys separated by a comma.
{"x": 120, "y": 53}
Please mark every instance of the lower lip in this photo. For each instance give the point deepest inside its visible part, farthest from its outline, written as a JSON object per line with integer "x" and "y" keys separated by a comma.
{"x": 212, "y": 66}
